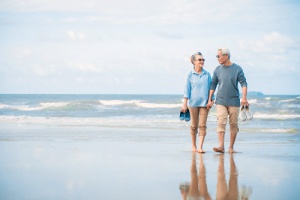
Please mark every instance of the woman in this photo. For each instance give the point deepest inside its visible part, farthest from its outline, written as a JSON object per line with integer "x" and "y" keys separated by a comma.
{"x": 195, "y": 99}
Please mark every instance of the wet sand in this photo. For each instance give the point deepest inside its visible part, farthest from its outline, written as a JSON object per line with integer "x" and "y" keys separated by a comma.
{"x": 125, "y": 163}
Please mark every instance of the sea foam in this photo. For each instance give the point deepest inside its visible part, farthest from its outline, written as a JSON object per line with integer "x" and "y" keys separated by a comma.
{"x": 138, "y": 103}
{"x": 276, "y": 116}
{"x": 40, "y": 106}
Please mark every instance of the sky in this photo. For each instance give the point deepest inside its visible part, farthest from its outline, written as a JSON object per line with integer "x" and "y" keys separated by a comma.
{"x": 144, "y": 47}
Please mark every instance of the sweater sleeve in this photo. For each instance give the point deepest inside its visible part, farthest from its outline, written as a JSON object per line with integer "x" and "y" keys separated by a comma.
{"x": 241, "y": 78}
{"x": 214, "y": 81}
{"x": 209, "y": 84}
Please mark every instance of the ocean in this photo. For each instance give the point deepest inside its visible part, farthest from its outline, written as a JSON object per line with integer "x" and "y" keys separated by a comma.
{"x": 272, "y": 113}
{"x": 135, "y": 147}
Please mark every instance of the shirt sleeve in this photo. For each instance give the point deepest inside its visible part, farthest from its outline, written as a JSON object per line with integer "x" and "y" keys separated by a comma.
{"x": 209, "y": 85}
{"x": 187, "y": 88}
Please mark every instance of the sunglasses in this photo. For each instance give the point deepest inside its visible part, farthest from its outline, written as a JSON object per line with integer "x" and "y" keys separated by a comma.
{"x": 217, "y": 56}
{"x": 201, "y": 60}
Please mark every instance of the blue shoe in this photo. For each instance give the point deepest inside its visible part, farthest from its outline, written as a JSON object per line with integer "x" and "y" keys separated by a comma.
{"x": 243, "y": 115}
{"x": 248, "y": 113}
{"x": 181, "y": 116}
{"x": 187, "y": 116}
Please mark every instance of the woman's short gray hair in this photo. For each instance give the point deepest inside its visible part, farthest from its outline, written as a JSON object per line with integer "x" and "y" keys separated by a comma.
{"x": 193, "y": 57}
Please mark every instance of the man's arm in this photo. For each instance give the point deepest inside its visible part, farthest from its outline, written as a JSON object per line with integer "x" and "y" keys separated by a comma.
{"x": 244, "y": 100}
{"x": 210, "y": 102}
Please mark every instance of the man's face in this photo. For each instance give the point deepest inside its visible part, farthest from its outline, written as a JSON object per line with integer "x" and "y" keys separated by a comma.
{"x": 222, "y": 58}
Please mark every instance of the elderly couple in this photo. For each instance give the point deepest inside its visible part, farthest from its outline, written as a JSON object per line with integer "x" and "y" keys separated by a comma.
{"x": 199, "y": 98}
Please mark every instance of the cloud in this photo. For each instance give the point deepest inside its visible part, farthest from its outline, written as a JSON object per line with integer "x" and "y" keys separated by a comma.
{"x": 274, "y": 43}
{"x": 126, "y": 41}
{"x": 85, "y": 67}
{"x": 22, "y": 52}
{"x": 72, "y": 35}
{"x": 130, "y": 12}
{"x": 39, "y": 70}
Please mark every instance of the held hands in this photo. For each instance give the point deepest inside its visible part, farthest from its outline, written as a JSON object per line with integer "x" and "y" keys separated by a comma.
{"x": 210, "y": 104}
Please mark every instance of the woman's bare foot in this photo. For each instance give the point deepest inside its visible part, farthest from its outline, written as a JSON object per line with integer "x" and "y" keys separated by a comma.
{"x": 231, "y": 150}
{"x": 194, "y": 149}
{"x": 220, "y": 150}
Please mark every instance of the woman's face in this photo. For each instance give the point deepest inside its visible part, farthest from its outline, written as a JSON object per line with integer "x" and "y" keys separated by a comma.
{"x": 199, "y": 61}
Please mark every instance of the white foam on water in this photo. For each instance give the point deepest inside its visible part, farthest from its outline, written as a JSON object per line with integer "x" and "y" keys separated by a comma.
{"x": 3, "y": 106}
{"x": 41, "y": 106}
{"x": 292, "y": 106}
{"x": 138, "y": 103}
{"x": 104, "y": 122}
{"x": 287, "y": 100}
{"x": 117, "y": 102}
{"x": 276, "y": 116}
{"x": 54, "y": 104}
{"x": 155, "y": 105}
{"x": 277, "y": 130}
{"x": 252, "y": 101}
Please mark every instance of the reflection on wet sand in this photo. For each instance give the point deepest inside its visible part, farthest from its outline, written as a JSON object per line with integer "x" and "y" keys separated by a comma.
{"x": 223, "y": 192}
{"x": 197, "y": 187}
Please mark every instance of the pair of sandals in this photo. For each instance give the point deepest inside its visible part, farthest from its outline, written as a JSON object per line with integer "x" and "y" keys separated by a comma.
{"x": 185, "y": 116}
{"x": 245, "y": 113}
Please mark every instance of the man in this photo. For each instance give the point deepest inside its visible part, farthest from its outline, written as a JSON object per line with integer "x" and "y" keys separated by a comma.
{"x": 227, "y": 76}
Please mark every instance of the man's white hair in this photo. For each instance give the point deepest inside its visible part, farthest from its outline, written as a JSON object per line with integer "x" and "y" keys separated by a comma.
{"x": 225, "y": 51}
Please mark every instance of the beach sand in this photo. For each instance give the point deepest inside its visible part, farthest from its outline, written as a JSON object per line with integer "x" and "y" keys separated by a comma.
{"x": 69, "y": 162}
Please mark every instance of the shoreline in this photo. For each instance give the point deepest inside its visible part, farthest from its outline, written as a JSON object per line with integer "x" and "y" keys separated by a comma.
{"x": 114, "y": 163}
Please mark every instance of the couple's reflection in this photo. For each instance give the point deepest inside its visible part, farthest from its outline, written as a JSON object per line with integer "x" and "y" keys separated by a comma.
{"x": 225, "y": 191}
{"x": 197, "y": 187}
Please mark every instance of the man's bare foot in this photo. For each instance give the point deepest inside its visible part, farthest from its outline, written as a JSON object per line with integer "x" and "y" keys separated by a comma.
{"x": 200, "y": 151}
{"x": 231, "y": 150}
{"x": 220, "y": 150}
